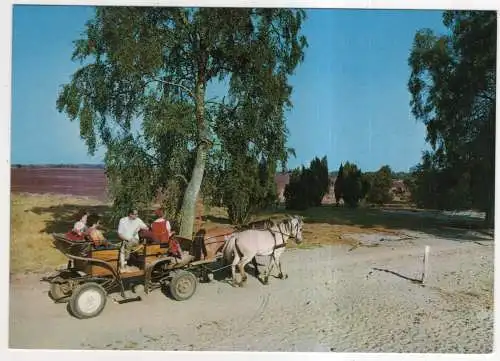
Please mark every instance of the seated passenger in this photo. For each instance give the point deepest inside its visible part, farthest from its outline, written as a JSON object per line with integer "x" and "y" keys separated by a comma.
{"x": 95, "y": 234}
{"x": 162, "y": 232}
{"x": 79, "y": 230}
{"x": 161, "y": 229}
{"x": 128, "y": 231}
{"x": 80, "y": 226}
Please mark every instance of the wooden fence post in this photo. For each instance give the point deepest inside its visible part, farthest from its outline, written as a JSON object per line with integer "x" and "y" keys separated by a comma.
{"x": 425, "y": 270}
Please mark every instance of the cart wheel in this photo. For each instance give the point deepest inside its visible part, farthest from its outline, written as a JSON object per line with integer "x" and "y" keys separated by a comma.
{"x": 183, "y": 285}
{"x": 88, "y": 300}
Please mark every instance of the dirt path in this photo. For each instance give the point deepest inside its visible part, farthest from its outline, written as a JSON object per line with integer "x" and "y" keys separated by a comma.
{"x": 333, "y": 300}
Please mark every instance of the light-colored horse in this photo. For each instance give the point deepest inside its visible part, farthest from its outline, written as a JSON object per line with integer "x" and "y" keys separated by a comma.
{"x": 242, "y": 247}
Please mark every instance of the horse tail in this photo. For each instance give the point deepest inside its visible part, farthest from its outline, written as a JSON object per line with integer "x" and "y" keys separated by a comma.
{"x": 229, "y": 248}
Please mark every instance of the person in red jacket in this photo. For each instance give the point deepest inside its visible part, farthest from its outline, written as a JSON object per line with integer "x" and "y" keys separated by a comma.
{"x": 162, "y": 232}
{"x": 161, "y": 228}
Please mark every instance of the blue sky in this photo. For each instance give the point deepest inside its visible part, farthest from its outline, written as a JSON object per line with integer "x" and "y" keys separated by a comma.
{"x": 350, "y": 97}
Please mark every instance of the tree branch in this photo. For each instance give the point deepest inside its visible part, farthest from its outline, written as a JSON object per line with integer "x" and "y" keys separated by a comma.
{"x": 230, "y": 109}
{"x": 181, "y": 177}
{"x": 186, "y": 89}
{"x": 485, "y": 97}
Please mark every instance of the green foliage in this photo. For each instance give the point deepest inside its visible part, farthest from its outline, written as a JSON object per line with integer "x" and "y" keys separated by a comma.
{"x": 366, "y": 184}
{"x": 308, "y": 186}
{"x": 319, "y": 182}
{"x": 352, "y": 185}
{"x": 267, "y": 184}
{"x": 141, "y": 94}
{"x": 380, "y": 185}
{"x": 244, "y": 187}
{"x": 435, "y": 188}
{"x": 338, "y": 186}
{"x": 453, "y": 87}
{"x": 401, "y": 175}
{"x": 296, "y": 191}
{"x": 241, "y": 189}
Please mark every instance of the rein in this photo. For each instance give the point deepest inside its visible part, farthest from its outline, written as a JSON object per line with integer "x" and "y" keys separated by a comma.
{"x": 219, "y": 235}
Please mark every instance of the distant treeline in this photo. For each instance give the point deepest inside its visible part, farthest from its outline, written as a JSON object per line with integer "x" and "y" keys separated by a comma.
{"x": 95, "y": 166}
{"x": 395, "y": 175}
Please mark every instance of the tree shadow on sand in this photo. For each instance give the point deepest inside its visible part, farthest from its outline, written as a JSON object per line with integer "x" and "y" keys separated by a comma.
{"x": 413, "y": 280}
{"x": 456, "y": 228}
{"x": 61, "y": 218}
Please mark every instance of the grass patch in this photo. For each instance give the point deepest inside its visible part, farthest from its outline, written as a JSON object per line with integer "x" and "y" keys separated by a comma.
{"x": 305, "y": 245}
{"x": 33, "y": 219}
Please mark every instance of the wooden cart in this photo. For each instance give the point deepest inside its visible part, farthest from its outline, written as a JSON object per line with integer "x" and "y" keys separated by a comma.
{"x": 92, "y": 273}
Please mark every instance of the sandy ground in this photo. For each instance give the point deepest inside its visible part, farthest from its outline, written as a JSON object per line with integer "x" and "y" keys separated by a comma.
{"x": 336, "y": 299}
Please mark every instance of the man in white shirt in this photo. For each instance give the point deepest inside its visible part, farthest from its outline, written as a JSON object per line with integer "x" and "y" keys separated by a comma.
{"x": 128, "y": 231}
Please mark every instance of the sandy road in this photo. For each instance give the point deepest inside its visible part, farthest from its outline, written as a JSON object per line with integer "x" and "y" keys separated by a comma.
{"x": 333, "y": 300}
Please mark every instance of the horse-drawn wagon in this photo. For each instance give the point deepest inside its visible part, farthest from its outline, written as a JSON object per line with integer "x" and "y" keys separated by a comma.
{"x": 93, "y": 272}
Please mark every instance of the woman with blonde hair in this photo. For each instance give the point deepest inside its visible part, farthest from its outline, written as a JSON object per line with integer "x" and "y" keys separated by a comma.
{"x": 95, "y": 233}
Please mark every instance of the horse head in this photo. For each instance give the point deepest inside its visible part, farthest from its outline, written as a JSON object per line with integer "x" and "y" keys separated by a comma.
{"x": 297, "y": 225}
{"x": 292, "y": 227}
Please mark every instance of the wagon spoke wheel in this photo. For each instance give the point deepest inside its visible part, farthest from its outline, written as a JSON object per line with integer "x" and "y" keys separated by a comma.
{"x": 183, "y": 285}
{"x": 88, "y": 300}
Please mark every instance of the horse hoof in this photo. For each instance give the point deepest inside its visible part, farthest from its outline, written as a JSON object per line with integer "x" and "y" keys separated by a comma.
{"x": 286, "y": 276}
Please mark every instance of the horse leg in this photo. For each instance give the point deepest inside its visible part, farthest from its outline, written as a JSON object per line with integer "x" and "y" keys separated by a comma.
{"x": 256, "y": 268}
{"x": 280, "y": 274}
{"x": 269, "y": 268}
{"x": 242, "y": 273}
{"x": 236, "y": 260}
{"x": 244, "y": 261}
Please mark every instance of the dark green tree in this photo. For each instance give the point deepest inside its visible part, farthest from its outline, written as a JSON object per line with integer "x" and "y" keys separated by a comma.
{"x": 453, "y": 87}
{"x": 296, "y": 191}
{"x": 241, "y": 189}
{"x": 319, "y": 182}
{"x": 366, "y": 183}
{"x": 141, "y": 92}
{"x": 437, "y": 188}
{"x": 338, "y": 190}
{"x": 267, "y": 183}
{"x": 308, "y": 186}
{"x": 352, "y": 186}
{"x": 380, "y": 186}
